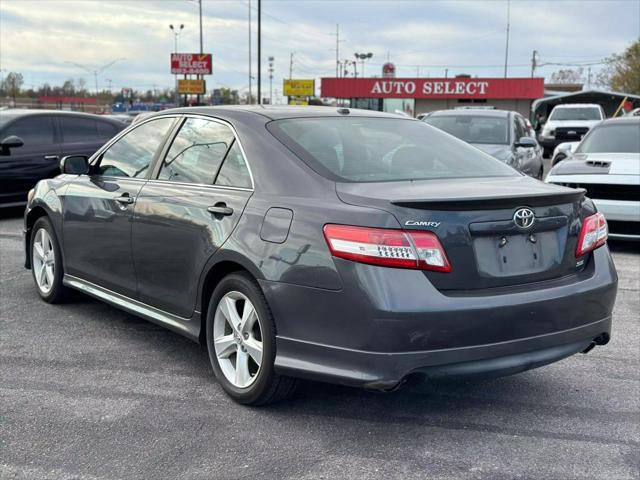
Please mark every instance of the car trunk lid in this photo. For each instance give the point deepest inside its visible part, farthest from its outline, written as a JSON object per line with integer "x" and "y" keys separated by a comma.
{"x": 474, "y": 220}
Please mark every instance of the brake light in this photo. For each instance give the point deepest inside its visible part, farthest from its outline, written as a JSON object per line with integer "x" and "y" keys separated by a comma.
{"x": 387, "y": 247}
{"x": 593, "y": 234}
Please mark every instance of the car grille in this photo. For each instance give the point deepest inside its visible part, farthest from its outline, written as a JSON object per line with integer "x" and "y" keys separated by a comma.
{"x": 624, "y": 228}
{"x": 606, "y": 191}
{"x": 570, "y": 133}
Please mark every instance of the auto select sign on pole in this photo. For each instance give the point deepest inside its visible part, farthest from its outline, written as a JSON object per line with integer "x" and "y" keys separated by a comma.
{"x": 191, "y": 63}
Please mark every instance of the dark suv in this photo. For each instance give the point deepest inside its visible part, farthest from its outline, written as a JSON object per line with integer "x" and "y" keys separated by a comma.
{"x": 32, "y": 142}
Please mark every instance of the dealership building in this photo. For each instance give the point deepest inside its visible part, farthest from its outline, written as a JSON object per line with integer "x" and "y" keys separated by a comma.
{"x": 422, "y": 95}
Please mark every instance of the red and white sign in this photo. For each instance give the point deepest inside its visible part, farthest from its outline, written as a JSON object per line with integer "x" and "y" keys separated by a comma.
{"x": 191, "y": 63}
{"x": 489, "y": 88}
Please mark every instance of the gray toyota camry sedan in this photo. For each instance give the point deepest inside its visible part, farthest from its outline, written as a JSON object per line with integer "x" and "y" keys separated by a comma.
{"x": 339, "y": 245}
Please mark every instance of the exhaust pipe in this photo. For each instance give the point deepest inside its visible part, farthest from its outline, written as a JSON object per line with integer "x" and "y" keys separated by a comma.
{"x": 601, "y": 339}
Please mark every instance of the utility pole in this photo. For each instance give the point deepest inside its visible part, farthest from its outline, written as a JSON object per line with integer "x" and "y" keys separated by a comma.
{"x": 337, "y": 49}
{"x": 534, "y": 63}
{"x": 259, "y": 52}
{"x": 201, "y": 49}
{"x": 250, "y": 99}
{"x": 506, "y": 50}
{"x": 176, "y": 33}
{"x": 291, "y": 65}
{"x": 589, "y": 78}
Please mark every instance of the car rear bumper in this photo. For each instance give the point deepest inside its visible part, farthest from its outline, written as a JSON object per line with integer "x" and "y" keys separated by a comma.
{"x": 389, "y": 323}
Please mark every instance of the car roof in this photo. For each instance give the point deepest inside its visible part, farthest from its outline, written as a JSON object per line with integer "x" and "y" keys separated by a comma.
{"x": 472, "y": 112}
{"x": 578, "y": 105}
{"x": 12, "y": 113}
{"x": 620, "y": 121}
{"x": 277, "y": 112}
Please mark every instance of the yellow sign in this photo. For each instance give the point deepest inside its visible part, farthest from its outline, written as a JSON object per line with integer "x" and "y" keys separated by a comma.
{"x": 298, "y": 101}
{"x": 193, "y": 87}
{"x": 304, "y": 88}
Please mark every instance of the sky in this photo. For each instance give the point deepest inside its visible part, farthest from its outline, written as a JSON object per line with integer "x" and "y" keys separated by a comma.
{"x": 43, "y": 39}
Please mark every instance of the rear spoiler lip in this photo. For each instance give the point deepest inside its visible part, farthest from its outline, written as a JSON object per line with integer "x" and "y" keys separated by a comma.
{"x": 495, "y": 202}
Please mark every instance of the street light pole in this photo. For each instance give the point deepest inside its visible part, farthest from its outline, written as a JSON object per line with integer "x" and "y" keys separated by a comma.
{"x": 362, "y": 57}
{"x": 259, "y": 52}
{"x": 270, "y": 80}
{"x": 176, "y": 33}
{"x": 201, "y": 49}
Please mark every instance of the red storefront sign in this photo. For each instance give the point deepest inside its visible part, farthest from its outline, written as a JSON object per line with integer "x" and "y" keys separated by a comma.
{"x": 444, "y": 88}
{"x": 191, "y": 63}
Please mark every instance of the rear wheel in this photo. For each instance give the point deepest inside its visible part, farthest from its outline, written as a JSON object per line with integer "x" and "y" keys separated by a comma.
{"x": 46, "y": 262}
{"x": 241, "y": 343}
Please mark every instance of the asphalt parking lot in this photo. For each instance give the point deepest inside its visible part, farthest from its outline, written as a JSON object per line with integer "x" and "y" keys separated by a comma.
{"x": 87, "y": 391}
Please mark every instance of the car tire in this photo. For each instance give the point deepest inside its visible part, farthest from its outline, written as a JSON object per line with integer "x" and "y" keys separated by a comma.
{"x": 244, "y": 350}
{"x": 46, "y": 262}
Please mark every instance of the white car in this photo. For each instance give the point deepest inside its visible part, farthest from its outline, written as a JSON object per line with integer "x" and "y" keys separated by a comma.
{"x": 569, "y": 122}
{"x": 607, "y": 165}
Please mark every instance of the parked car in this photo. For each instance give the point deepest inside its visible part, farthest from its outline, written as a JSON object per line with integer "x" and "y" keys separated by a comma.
{"x": 569, "y": 122}
{"x": 342, "y": 245}
{"x": 607, "y": 165}
{"x": 502, "y": 134}
{"x": 32, "y": 142}
{"x": 562, "y": 151}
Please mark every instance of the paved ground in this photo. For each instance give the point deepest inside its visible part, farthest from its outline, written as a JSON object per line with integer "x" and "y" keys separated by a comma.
{"x": 87, "y": 391}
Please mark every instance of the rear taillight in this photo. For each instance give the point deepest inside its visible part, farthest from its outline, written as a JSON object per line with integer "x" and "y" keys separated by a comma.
{"x": 387, "y": 247}
{"x": 593, "y": 234}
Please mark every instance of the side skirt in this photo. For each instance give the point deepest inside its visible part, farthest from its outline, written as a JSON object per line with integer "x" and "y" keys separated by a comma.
{"x": 188, "y": 327}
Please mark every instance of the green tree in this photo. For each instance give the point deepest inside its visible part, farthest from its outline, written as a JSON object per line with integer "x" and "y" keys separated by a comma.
{"x": 622, "y": 71}
{"x": 12, "y": 84}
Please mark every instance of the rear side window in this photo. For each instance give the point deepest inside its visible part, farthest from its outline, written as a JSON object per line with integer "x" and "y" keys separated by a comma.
{"x": 106, "y": 130}
{"x": 34, "y": 131}
{"x": 234, "y": 171}
{"x": 132, "y": 154}
{"x": 197, "y": 152}
{"x": 365, "y": 149}
{"x": 78, "y": 129}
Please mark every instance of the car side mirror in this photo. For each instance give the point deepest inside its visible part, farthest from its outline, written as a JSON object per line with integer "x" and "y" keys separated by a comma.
{"x": 526, "y": 142}
{"x": 10, "y": 142}
{"x": 74, "y": 164}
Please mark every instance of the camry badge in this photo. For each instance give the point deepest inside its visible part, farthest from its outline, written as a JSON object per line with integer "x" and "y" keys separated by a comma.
{"x": 524, "y": 218}
{"x": 413, "y": 223}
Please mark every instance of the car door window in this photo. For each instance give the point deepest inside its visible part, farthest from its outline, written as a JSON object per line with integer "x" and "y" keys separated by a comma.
{"x": 519, "y": 130}
{"x": 34, "y": 131}
{"x": 197, "y": 152}
{"x": 78, "y": 129}
{"x": 132, "y": 154}
{"x": 234, "y": 171}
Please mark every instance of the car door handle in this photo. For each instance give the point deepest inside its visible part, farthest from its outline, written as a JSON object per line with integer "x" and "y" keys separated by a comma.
{"x": 220, "y": 209}
{"x": 51, "y": 157}
{"x": 124, "y": 199}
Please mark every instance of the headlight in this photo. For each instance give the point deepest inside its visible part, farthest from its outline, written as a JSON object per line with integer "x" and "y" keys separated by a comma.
{"x": 30, "y": 195}
{"x": 548, "y": 132}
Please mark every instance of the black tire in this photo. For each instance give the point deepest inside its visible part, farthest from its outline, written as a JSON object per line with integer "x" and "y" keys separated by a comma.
{"x": 58, "y": 293}
{"x": 268, "y": 386}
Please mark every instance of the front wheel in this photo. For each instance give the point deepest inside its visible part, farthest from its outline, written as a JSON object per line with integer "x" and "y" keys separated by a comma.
{"x": 241, "y": 343}
{"x": 46, "y": 262}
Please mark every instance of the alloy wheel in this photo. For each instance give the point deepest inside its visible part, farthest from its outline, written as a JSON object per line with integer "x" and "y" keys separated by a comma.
{"x": 237, "y": 339}
{"x": 44, "y": 260}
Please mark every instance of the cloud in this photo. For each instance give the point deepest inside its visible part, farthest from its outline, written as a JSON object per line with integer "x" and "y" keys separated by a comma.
{"x": 37, "y": 38}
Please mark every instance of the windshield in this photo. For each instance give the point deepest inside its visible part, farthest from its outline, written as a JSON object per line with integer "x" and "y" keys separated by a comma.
{"x": 481, "y": 129}
{"x": 612, "y": 139}
{"x": 360, "y": 149}
{"x": 576, "y": 113}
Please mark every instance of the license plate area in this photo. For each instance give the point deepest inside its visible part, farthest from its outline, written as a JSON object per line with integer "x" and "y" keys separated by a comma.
{"x": 518, "y": 254}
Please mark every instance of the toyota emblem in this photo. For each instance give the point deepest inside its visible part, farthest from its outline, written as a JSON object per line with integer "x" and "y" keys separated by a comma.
{"x": 524, "y": 218}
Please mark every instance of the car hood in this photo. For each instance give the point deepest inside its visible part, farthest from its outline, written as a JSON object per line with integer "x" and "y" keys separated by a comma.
{"x": 501, "y": 152}
{"x": 599, "y": 163}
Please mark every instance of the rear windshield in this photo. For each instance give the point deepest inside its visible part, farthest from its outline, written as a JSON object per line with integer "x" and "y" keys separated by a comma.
{"x": 574, "y": 113}
{"x": 612, "y": 139}
{"x": 473, "y": 128}
{"x": 361, "y": 149}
